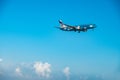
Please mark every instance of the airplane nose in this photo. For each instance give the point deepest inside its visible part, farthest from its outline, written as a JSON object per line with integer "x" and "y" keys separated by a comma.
{"x": 92, "y": 26}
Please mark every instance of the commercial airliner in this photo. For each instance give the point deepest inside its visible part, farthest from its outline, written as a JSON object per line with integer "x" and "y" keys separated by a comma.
{"x": 84, "y": 27}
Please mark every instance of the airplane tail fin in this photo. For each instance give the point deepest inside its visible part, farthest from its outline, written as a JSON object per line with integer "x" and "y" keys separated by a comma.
{"x": 60, "y": 21}
{"x": 61, "y": 24}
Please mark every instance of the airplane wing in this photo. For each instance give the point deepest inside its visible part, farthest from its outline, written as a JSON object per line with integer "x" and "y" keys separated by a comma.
{"x": 71, "y": 27}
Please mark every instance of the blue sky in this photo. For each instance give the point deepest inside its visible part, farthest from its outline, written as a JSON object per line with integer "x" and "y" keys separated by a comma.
{"x": 28, "y": 38}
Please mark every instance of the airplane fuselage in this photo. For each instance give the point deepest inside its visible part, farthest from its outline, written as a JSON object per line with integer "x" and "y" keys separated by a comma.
{"x": 78, "y": 28}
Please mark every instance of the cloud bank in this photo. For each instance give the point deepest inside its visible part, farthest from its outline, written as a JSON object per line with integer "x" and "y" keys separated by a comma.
{"x": 18, "y": 71}
{"x": 1, "y": 59}
{"x": 66, "y": 71}
{"x": 42, "y": 69}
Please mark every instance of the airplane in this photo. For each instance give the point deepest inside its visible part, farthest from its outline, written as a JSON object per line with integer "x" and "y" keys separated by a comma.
{"x": 78, "y": 28}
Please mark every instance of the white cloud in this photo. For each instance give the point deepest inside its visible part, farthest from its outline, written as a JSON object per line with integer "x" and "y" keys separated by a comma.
{"x": 42, "y": 69}
{"x": 66, "y": 71}
{"x": 18, "y": 71}
{"x": 1, "y": 59}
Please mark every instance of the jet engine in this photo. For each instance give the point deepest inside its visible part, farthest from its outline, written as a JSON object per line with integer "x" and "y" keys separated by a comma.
{"x": 85, "y": 29}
